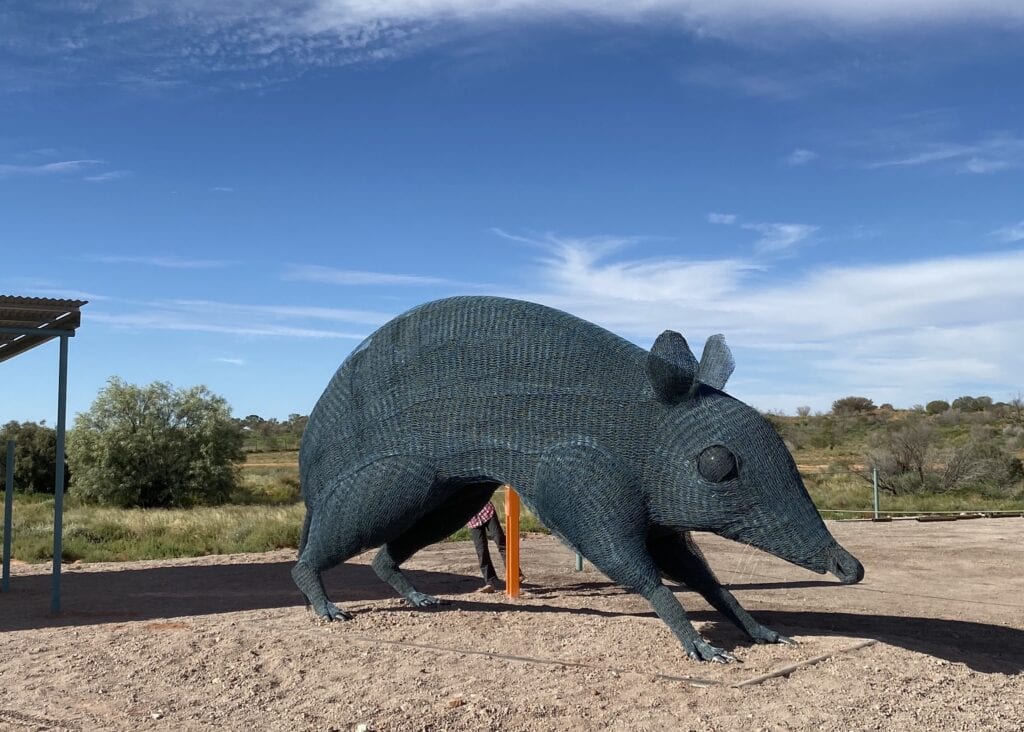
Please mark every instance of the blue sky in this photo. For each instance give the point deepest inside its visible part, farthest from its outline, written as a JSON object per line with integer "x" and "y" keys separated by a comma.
{"x": 245, "y": 190}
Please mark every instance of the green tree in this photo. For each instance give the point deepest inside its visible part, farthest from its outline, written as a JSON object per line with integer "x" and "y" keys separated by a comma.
{"x": 972, "y": 404}
{"x": 155, "y": 446}
{"x": 35, "y": 456}
{"x": 852, "y": 405}
{"x": 937, "y": 406}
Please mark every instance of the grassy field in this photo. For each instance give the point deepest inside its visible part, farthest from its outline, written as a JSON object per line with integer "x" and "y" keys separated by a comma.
{"x": 266, "y": 513}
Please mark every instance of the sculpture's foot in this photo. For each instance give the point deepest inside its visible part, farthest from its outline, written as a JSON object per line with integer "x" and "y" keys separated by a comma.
{"x": 312, "y": 588}
{"x": 704, "y": 651}
{"x": 336, "y": 613}
{"x": 767, "y": 635}
{"x": 330, "y": 612}
{"x": 421, "y": 599}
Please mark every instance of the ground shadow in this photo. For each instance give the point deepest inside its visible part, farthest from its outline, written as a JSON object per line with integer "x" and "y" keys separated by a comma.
{"x": 91, "y": 598}
{"x": 982, "y": 647}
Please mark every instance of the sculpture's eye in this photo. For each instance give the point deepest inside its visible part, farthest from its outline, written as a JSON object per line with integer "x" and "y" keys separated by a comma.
{"x": 717, "y": 464}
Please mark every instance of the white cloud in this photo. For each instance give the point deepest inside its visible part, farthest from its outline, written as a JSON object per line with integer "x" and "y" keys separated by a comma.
{"x": 333, "y": 276}
{"x": 800, "y": 156}
{"x": 901, "y": 333}
{"x": 777, "y": 237}
{"x": 158, "y": 261}
{"x": 1010, "y": 234}
{"x": 232, "y": 361}
{"x": 222, "y": 189}
{"x": 334, "y": 14}
{"x": 108, "y": 176}
{"x": 363, "y": 317}
{"x": 987, "y": 155}
{"x": 211, "y": 316}
{"x": 175, "y": 321}
{"x": 66, "y": 294}
{"x": 279, "y": 38}
{"x": 62, "y": 167}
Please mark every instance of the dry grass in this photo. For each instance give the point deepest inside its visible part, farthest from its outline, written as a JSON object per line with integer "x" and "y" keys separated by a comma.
{"x": 267, "y": 514}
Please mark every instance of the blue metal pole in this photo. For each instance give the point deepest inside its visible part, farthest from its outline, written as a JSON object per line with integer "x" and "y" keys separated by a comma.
{"x": 58, "y": 489}
{"x": 5, "y": 585}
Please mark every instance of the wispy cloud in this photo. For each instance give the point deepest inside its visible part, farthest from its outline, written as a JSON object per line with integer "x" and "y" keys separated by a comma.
{"x": 62, "y": 167}
{"x": 175, "y": 321}
{"x": 222, "y": 189}
{"x": 240, "y": 319}
{"x": 170, "y": 262}
{"x": 799, "y": 157}
{"x": 987, "y": 155}
{"x": 333, "y": 276}
{"x": 775, "y": 236}
{"x": 280, "y": 38}
{"x": 901, "y": 333}
{"x": 779, "y": 84}
{"x": 232, "y": 361}
{"x": 67, "y": 294}
{"x": 1010, "y": 234}
{"x": 108, "y": 176}
{"x": 363, "y": 317}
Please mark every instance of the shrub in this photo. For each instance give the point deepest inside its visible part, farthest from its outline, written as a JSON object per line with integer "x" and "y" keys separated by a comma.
{"x": 937, "y": 406}
{"x": 972, "y": 404}
{"x": 911, "y": 460}
{"x": 155, "y": 446}
{"x": 852, "y": 405}
{"x": 35, "y": 457}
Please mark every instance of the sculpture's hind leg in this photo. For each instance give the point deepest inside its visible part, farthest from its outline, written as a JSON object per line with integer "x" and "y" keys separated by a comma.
{"x": 442, "y": 521}
{"x": 359, "y": 511}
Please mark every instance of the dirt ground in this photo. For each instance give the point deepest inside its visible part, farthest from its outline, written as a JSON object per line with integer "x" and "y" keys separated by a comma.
{"x": 932, "y": 639}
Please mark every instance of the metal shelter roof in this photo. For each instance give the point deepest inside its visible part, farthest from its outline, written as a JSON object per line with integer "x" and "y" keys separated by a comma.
{"x": 26, "y": 322}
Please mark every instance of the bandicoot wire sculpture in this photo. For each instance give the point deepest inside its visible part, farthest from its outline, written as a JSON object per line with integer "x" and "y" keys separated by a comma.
{"x": 619, "y": 451}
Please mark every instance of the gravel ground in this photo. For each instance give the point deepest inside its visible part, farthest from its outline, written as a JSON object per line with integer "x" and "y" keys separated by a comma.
{"x": 932, "y": 639}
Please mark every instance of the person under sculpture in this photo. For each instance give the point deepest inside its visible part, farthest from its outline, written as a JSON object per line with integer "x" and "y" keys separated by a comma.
{"x": 620, "y": 452}
{"x": 484, "y": 524}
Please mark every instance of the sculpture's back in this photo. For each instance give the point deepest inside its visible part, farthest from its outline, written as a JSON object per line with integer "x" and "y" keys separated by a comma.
{"x": 482, "y": 385}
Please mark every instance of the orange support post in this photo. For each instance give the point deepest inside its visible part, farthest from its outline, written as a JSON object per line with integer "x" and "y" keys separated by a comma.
{"x": 511, "y": 542}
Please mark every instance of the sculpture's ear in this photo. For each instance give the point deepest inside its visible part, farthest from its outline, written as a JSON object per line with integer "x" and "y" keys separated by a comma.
{"x": 671, "y": 367}
{"x": 716, "y": 363}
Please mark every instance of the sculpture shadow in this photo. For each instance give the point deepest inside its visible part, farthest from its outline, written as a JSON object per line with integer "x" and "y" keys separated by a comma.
{"x": 91, "y": 598}
{"x": 980, "y": 646}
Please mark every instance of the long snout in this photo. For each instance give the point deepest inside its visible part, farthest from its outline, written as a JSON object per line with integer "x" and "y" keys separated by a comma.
{"x": 842, "y": 564}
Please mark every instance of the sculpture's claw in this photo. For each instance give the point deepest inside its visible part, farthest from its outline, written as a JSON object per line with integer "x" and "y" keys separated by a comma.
{"x": 329, "y": 611}
{"x": 421, "y": 599}
{"x": 706, "y": 652}
{"x": 336, "y": 613}
{"x": 767, "y": 635}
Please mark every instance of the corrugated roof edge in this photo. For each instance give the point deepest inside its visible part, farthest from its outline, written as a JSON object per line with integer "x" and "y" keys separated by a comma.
{"x": 14, "y": 300}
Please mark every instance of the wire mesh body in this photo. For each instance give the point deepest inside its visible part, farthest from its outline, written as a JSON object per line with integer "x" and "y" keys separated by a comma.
{"x": 619, "y": 451}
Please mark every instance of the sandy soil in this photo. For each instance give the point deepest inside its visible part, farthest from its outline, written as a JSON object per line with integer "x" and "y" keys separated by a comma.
{"x": 932, "y": 639}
